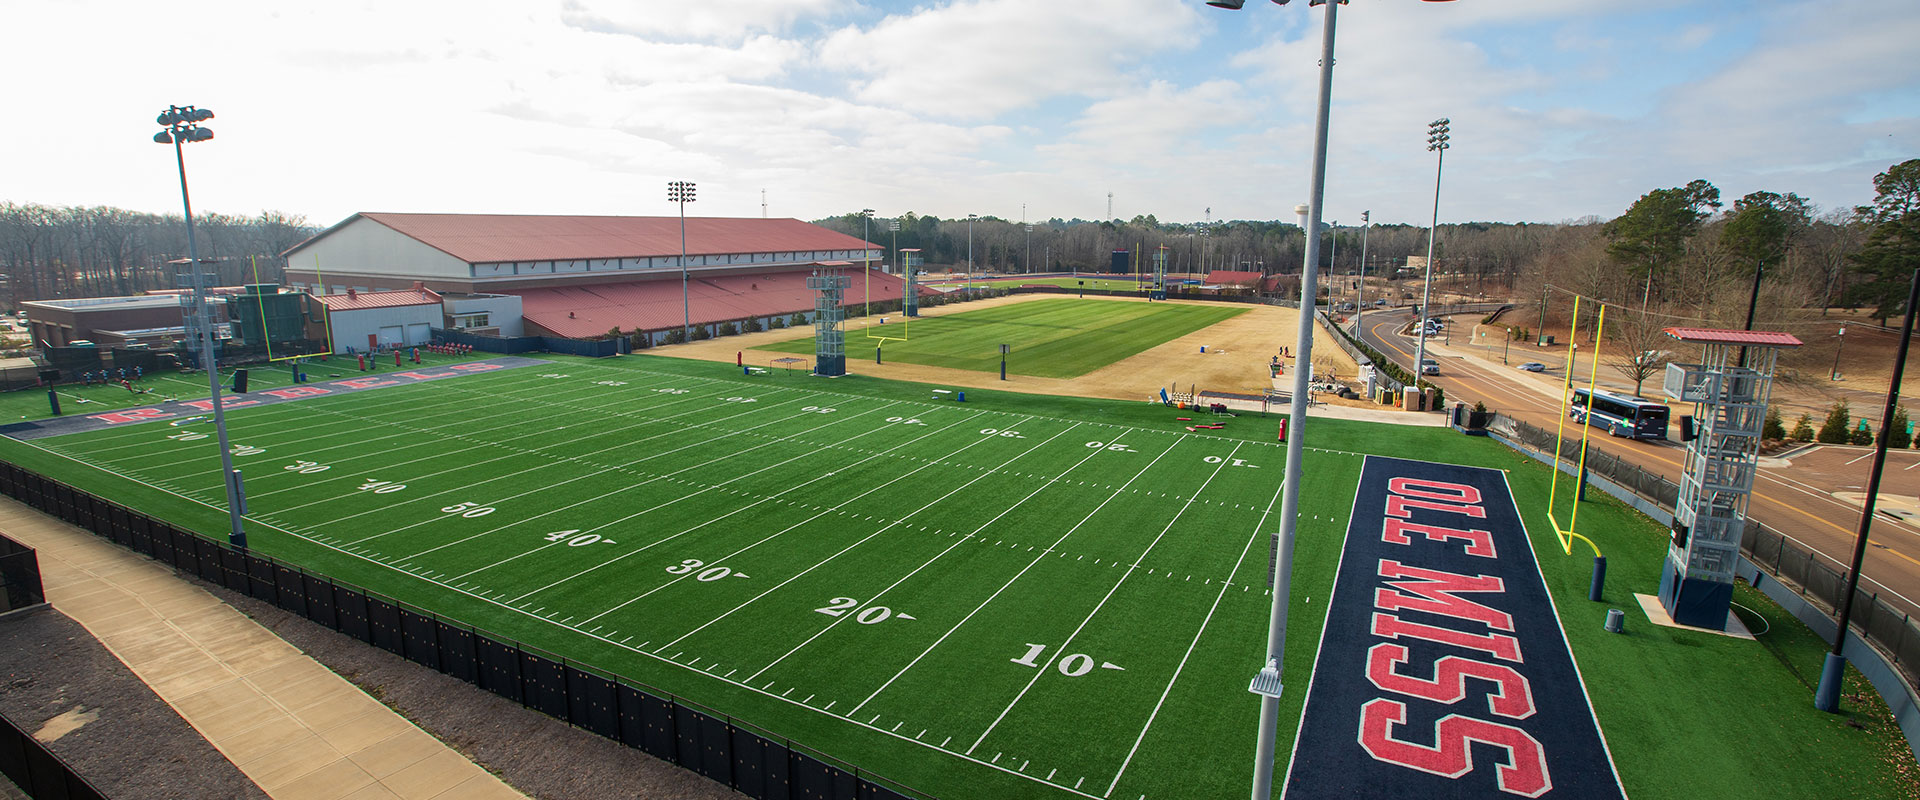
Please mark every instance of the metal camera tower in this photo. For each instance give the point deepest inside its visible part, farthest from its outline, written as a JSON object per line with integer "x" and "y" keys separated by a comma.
{"x": 830, "y": 343}
{"x": 1159, "y": 291}
{"x": 1729, "y": 390}
{"x": 910, "y": 296}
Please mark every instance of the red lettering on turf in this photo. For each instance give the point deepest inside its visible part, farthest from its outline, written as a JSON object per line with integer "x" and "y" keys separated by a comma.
{"x": 1498, "y": 645}
{"x": 1525, "y": 770}
{"x": 1435, "y": 490}
{"x": 1512, "y": 696}
{"x": 1479, "y": 542}
{"x": 366, "y": 383}
{"x": 421, "y": 376}
{"x": 1438, "y": 592}
{"x": 131, "y": 415}
{"x": 1397, "y": 507}
{"x": 294, "y": 392}
{"x": 207, "y": 404}
{"x": 476, "y": 367}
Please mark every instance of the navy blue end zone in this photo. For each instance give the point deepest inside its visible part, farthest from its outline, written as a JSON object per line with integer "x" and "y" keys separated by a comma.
{"x": 1442, "y": 671}
{"x": 80, "y": 422}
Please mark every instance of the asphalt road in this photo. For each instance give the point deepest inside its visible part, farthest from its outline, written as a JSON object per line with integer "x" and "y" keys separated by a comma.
{"x": 1796, "y": 498}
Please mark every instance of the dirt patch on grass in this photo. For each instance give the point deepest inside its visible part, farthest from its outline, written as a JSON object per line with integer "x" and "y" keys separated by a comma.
{"x": 1237, "y": 355}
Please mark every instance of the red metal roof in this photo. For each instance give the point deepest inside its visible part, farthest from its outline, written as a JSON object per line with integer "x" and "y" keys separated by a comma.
{"x": 587, "y": 311}
{"x": 1230, "y": 276}
{"x": 363, "y": 300}
{"x": 1717, "y": 336}
{"x": 486, "y": 238}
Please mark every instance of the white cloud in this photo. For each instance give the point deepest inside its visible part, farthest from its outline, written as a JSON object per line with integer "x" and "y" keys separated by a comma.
{"x": 970, "y": 59}
{"x": 701, "y": 19}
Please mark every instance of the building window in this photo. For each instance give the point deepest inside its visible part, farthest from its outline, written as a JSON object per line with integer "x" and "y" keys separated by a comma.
{"x": 461, "y": 321}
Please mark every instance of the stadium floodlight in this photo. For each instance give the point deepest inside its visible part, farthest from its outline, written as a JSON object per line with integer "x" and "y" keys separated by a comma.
{"x": 1268, "y": 684}
{"x": 180, "y": 126}
{"x": 1437, "y": 136}
{"x": 681, "y": 192}
{"x": 970, "y": 219}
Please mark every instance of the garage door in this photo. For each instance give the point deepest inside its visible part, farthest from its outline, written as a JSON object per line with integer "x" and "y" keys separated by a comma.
{"x": 391, "y": 334}
{"x": 419, "y": 332}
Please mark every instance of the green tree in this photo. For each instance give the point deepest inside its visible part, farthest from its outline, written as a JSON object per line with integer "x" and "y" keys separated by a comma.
{"x": 1892, "y": 250}
{"x": 1860, "y": 435}
{"x": 1763, "y": 225}
{"x": 1655, "y": 229}
{"x": 1898, "y": 435}
{"x": 1803, "y": 429}
{"x": 1834, "y": 430}
{"x": 1773, "y": 427}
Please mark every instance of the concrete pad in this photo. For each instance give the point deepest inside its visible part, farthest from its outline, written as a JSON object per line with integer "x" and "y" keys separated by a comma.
{"x": 431, "y": 776}
{"x": 479, "y": 787}
{"x": 330, "y": 782}
{"x": 372, "y": 792}
{"x": 397, "y": 752}
{"x": 365, "y": 731}
{"x": 249, "y": 746}
{"x": 1657, "y": 614}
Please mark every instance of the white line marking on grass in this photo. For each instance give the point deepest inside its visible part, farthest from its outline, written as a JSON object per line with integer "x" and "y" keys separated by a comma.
{"x": 1016, "y": 576}
{"x": 1258, "y": 528}
{"x": 667, "y": 477}
{"x": 875, "y": 599}
{"x": 1102, "y": 604}
{"x": 882, "y": 529}
{"x": 794, "y": 526}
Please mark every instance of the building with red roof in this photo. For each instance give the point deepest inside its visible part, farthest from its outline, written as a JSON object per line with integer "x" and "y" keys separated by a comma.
{"x": 585, "y": 276}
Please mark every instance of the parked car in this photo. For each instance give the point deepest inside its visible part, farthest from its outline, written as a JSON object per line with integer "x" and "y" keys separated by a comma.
{"x": 1532, "y": 366}
{"x": 1380, "y": 303}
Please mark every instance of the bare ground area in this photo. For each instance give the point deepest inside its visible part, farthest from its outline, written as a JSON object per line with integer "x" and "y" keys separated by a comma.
{"x": 1236, "y": 360}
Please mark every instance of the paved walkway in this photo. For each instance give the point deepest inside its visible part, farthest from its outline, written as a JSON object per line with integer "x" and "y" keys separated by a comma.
{"x": 295, "y": 728}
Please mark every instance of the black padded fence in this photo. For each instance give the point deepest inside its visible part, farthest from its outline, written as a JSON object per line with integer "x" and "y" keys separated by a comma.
{"x": 37, "y": 771}
{"x": 751, "y": 760}
{"x": 19, "y": 577}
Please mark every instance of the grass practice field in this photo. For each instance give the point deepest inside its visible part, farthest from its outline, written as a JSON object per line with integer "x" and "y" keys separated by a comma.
{"x": 1017, "y": 596}
{"x": 1052, "y": 338}
{"x": 1107, "y": 284}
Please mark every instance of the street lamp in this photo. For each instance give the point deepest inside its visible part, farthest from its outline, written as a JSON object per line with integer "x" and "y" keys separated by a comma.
{"x": 1360, "y": 289}
{"x": 1834, "y": 374}
{"x": 180, "y": 125}
{"x": 1267, "y": 682}
{"x": 1437, "y": 143}
{"x": 893, "y": 225}
{"x": 681, "y": 192}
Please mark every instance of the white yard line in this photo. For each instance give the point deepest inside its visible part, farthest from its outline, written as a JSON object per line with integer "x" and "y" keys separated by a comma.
{"x": 883, "y": 529}
{"x": 929, "y": 562}
{"x": 1103, "y": 602}
{"x": 779, "y": 533}
{"x": 1225, "y": 584}
{"x": 1016, "y": 576}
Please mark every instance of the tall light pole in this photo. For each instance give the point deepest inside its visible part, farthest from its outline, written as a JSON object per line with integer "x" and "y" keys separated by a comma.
{"x": 893, "y": 225}
{"x": 1267, "y": 682}
{"x": 866, "y": 253}
{"x": 1437, "y": 143}
{"x": 1333, "y": 262}
{"x": 681, "y": 192}
{"x": 179, "y": 126}
{"x": 1360, "y": 291}
{"x": 970, "y": 219}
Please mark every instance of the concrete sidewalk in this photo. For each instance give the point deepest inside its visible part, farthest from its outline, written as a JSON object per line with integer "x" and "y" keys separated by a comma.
{"x": 298, "y": 730}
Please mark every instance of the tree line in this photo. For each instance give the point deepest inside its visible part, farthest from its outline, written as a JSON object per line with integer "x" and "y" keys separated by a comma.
{"x": 49, "y": 252}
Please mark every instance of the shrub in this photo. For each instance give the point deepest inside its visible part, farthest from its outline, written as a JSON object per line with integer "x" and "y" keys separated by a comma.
{"x": 1901, "y": 433}
{"x": 702, "y": 333}
{"x": 1860, "y": 436}
{"x": 796, "y": 320}
{"x": 675, "y": 336}
{"x": 729, "y": 329}
{"x": 1479, "y": 407}
{"x": 1773, "y": 428}
{"x": 1834, "y": 430}
{"x": 1439, "y": 397}
{"x": 776, "y": 322}
{"x": 641, "y": 340}
{"x": 1803, "y": 429}
{"x": 753, "y": 325}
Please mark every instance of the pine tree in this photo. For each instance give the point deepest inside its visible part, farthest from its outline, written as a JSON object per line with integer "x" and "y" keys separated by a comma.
{"x": 1834, "y": 430}
{"x": 1898, "y": 435}
{"x": 1803, "y": 429}
{"x": 1773, "y": 428}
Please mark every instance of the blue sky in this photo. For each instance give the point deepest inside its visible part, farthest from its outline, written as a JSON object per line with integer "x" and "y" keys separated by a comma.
{"x": 1561, "y": 109}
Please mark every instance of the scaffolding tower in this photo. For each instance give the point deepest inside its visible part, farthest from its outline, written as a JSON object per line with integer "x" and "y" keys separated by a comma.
{"x": 1729, "y": 390}
{"x": 829, "y": 341}
{"x": 1159, "y": 290}
{"x": 910, "y": 296}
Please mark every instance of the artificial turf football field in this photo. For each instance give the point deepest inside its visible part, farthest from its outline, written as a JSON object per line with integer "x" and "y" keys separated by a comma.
{"x": 973, "y": 600}
{"x": 1052, "y": 338}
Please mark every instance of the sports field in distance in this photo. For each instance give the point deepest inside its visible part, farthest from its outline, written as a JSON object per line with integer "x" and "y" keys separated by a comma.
{"x": 1018, "y": 596}
{"x": 1052, "y": 338}
{"x": 1111, "y": 284}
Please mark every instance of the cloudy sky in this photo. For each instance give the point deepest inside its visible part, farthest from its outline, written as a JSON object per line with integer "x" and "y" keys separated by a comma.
{"x": 1560, "y": 108}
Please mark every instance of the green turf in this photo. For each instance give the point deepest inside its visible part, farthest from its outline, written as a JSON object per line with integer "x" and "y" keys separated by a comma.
{"x": 861, "y": 489}
{"x": 1052, "y": 338}
{"x": 165, "y": 385}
